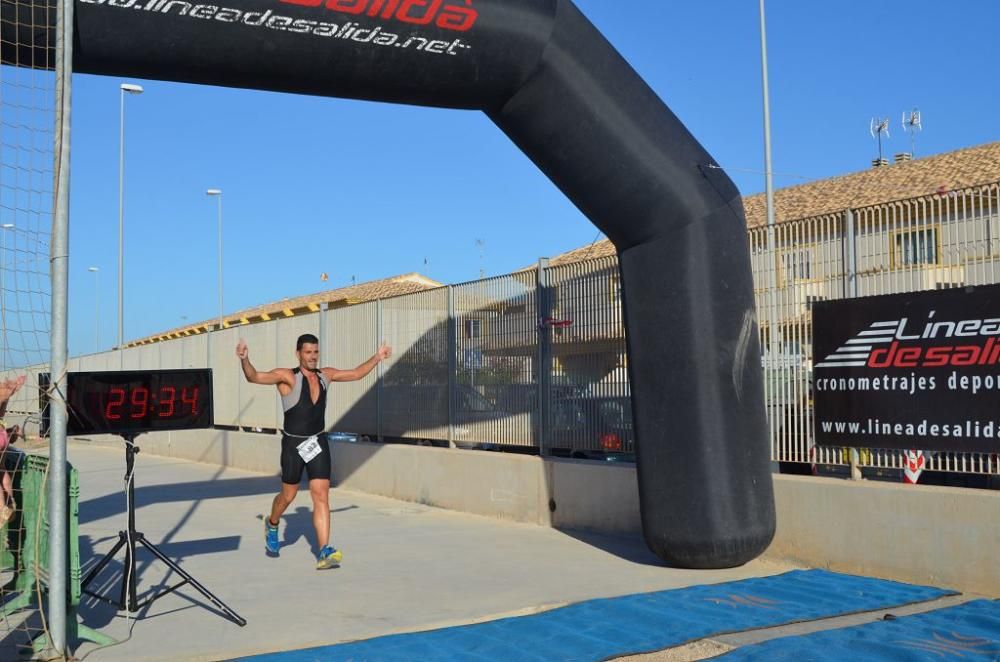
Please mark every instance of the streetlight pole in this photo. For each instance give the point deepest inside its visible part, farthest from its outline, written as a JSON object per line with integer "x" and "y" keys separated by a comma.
{"x": 97, "y": 307}
{"x": 125, "y": 88}
{"x": 771, "y": 350}
{"x": 217, "y": 193}
{"x": 3, "y": 291}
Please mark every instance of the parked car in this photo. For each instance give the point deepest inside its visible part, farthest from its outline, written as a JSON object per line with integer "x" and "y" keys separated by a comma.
{"x": 520, "y": 398}
{"x": 426, "y": 405}
{"x": 580, "y": 426}
{"x": 343, "y": 436}
{"x": 593, "y": 428}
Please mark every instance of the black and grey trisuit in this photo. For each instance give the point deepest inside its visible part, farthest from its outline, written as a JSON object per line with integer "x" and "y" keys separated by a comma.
{"x": 304, "y": 418}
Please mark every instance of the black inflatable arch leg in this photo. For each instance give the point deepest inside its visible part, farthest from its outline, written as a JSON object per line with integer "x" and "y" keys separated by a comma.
{"x": 605, "y": 138}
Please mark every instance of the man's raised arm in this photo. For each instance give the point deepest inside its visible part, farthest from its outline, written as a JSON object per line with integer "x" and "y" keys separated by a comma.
{"x": 337, "y": 375}
{"x": 269, "y": 378}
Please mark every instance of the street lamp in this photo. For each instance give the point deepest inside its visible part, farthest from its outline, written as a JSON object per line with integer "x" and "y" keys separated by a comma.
{"x": 126, "y": 88}
{"x": 97, "y": 307}
{"x": 217, "y": 193}
{"x": 3, "y": 291}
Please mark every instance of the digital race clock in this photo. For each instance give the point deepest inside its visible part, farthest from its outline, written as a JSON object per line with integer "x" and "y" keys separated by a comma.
{"x": 138, "y": 401}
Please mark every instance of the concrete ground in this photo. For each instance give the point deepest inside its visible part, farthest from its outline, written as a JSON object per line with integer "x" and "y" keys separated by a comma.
{"x": 406, "y": 566}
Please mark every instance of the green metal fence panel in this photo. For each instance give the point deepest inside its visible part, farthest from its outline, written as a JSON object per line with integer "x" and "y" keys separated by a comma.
{"x": 29, "y": 550}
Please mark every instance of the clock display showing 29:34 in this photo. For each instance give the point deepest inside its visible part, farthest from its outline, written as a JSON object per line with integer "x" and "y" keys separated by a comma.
{"x": 139, "y": 402}
{"x": 130, "y": 402}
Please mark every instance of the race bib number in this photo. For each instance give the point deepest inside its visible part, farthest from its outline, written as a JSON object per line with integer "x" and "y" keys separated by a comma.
{"x": 308, "y": 449}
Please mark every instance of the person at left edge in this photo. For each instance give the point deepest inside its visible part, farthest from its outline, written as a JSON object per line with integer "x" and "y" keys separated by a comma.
{"x": 10, "y": 458}
{"x": 303, "y": 398}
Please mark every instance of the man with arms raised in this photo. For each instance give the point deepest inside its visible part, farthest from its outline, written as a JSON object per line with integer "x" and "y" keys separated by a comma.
{"x": 303, "y": 441}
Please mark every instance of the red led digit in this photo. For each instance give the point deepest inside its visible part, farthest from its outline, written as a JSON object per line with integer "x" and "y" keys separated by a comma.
{"x": 116, "y": 398}
{"x": 167, "y": 396}
{"x": 192, "y": 400}
{"x": 140, "y": 399}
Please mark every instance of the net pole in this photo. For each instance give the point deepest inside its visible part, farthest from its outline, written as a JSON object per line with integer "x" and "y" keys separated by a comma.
{"x": 58, "y": 530}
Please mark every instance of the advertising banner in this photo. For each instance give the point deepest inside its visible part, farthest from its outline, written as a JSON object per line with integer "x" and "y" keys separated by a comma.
{"x": 910, "y": 371}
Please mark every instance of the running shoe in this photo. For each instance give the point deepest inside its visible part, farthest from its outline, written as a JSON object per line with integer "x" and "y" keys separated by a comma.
{"x": 271, "y": 537}
{"x": 328, "y": 558}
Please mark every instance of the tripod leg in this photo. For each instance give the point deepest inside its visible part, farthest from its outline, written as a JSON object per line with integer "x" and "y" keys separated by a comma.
{"x": 128, "y": 581}
{"x": 233, "y": 616}
{"x": 104, "y": 561}
{"x": 128, "y": 578}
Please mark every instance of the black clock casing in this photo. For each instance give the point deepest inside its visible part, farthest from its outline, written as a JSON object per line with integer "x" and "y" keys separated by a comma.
{"x": 131, "y": 402}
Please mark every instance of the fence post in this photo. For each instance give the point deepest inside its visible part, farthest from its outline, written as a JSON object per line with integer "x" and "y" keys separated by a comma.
{"x": 544, "y": 302}
{"x": 850, "y": 256}
{"x": 279, "y": 409}
{"x": 378, "y": 372}
{"x": 240, "y": 395}
{"x": 323, "y": 340}
{"x": 851, "y": 292}
{"x": 452, "y": 364}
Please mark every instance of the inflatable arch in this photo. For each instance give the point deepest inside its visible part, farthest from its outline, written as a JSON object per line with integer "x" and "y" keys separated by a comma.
{"x": 544, "y": 74}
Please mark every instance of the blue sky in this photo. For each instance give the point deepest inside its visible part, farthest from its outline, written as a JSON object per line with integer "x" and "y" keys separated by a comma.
{"x": 368, "y": 190}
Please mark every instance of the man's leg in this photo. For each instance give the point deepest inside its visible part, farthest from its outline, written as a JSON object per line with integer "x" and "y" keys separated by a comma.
{"x": 281, "y": 502}
{"x": 319, "y": 490}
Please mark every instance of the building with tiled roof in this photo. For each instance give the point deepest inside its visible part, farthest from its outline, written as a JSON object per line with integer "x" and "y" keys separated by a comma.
{"x": 309, "y": 303}
{"x": 960, "y": 169}
{"x": 602, "y": 248}
{"x": 902, "y": 180}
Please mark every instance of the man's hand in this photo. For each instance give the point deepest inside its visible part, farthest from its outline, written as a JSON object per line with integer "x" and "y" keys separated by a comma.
{"x": 242, "y": 351}
{"x": 384, "y": 352}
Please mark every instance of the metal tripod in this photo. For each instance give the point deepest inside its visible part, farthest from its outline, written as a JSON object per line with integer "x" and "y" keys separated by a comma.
{"x": 128, "y": 540}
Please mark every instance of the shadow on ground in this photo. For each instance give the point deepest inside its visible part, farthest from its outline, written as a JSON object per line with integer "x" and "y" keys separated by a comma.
{"x": 299, "y": 524}
{"x": 222, "y": 488}
{"x": 629, "y": 547}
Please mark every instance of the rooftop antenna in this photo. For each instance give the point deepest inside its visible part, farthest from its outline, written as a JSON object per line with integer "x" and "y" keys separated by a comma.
{"x": 481, "y": 243}
{"x": 911, "y": 125}
{"x": 877, "y": 128}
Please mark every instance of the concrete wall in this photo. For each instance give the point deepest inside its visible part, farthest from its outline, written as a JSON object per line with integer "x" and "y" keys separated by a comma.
{"x": 929, "y": 535}
{"x": 943, "y": 536}
{"x": 522, "y": 488}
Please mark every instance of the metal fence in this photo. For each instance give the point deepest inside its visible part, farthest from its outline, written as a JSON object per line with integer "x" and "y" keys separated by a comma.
{"x": 591, "y": 399}
{"x": 497, "y": 362}
{"x": 537, "y": 360}
{"x": 495, "y": 390}
{"x": 949, "y": 239}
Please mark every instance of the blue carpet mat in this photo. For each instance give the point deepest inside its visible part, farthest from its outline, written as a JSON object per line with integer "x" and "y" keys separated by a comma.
{"x": 610, "y": 627}
{"x": 970, "y": 631}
